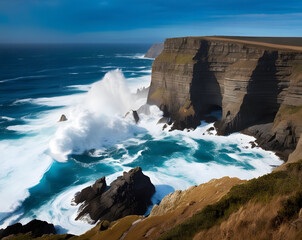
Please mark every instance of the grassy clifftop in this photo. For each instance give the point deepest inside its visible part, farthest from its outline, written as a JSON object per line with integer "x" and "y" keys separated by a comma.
{"x": 287, "y": 184}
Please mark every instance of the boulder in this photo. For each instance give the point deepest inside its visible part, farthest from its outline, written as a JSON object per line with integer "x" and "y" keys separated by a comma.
{"x": 36, "y": 227}
{"x": 129, "y": 194}
{"x": 12, "y": 229}
{"x": 39, "y": 228}
{"x": 63, "y": 118}
{"x": 135, "y": 116}
{"x": 253, "y": 144}
{"x": 104, "y": 225}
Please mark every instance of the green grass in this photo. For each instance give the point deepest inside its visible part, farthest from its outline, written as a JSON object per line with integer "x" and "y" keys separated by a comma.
{"x": 262, "y": 189}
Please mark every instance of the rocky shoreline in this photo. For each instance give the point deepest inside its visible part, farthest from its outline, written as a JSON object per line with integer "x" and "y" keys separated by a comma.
{"x": 258, "y": 88}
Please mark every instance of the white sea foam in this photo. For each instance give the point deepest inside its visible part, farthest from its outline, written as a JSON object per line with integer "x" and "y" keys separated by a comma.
{"x": 133, "y": 56}
{"x": 21, "y": 101}
{"x": 145, "y": 71}
{"x": 97, "y": 122}
{"x": 112, "y": 67}
{"x": 138, "y": 82}
{"x": 83, "y": 88}
{"x": 61, "y": 212}
{"x": 21, "y": 78}
{"x": 22, "y": 167}
{"x": 7, "y": 118}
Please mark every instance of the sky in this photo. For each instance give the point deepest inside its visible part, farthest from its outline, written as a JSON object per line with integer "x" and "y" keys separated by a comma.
{"x": 144, "y": 21}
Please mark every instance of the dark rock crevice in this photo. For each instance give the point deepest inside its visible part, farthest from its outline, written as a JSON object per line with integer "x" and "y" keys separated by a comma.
{"x": 205, "y": 90}
{"x": 259, "y": 105}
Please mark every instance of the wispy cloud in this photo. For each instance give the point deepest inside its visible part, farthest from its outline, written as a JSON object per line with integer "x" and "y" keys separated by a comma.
{"x": 77, "y": 19}
{"x": 261, "y": 15}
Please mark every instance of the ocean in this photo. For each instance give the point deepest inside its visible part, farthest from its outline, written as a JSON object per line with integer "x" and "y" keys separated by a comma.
{"x": 44, "y": 162}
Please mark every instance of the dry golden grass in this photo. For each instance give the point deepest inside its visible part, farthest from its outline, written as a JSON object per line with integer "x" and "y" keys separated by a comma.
{"x": 272, "y": 46}
{"x": 192, "y": 201}
{"x": 253, "y": 221}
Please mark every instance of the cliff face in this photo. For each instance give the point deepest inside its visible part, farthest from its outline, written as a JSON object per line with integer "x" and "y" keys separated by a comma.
{"x": 258, "y": 87}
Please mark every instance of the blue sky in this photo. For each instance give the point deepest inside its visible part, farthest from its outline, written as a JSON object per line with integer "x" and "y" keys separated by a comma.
{"x": 144, "y": 20}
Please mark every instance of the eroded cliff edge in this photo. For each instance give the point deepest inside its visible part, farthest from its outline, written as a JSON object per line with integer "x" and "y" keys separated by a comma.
{"x": 258, "y": 87}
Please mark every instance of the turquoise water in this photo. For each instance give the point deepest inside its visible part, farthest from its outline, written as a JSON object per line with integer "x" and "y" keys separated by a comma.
{"x": 44, "y": 163}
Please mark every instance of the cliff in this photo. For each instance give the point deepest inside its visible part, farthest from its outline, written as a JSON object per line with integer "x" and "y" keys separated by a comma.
{"x": 155, "y": 50}
{"x": 257, "y": 85}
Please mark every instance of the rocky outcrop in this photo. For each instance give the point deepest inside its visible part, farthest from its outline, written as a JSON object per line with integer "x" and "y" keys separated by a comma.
{"x": 175, "y": 208}
{"x": 134, "y": 115}
{"x": 35, "y": 228}
{"x": 128, "y": 195}
{"x": 258, "y": 87}
{"x": 91, "y": 192}
{"x": 154, "y": 50}
{"x": 63, "y": 118}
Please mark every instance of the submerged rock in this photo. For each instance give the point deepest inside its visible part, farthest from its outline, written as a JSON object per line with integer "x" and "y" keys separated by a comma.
{"x": 128, "y": 194}
{"x": 36, "y": 227}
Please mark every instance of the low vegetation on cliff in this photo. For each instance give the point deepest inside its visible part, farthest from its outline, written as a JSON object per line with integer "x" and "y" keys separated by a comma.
{"x": 263, "y": 189}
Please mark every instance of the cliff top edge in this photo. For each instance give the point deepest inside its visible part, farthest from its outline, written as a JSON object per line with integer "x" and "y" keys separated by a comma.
{"x": 285, "y": 43}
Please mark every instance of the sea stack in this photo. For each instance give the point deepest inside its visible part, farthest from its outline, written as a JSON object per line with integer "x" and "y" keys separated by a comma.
{"x": 129, "y": 194}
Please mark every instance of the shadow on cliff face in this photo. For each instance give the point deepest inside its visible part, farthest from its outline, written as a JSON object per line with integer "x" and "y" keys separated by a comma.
{"x": 260, "y": 103}
{"x": 204, "y": 90}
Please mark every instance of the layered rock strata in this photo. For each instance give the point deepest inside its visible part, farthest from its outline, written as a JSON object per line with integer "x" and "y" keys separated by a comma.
{"x": 258, "y": 87}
